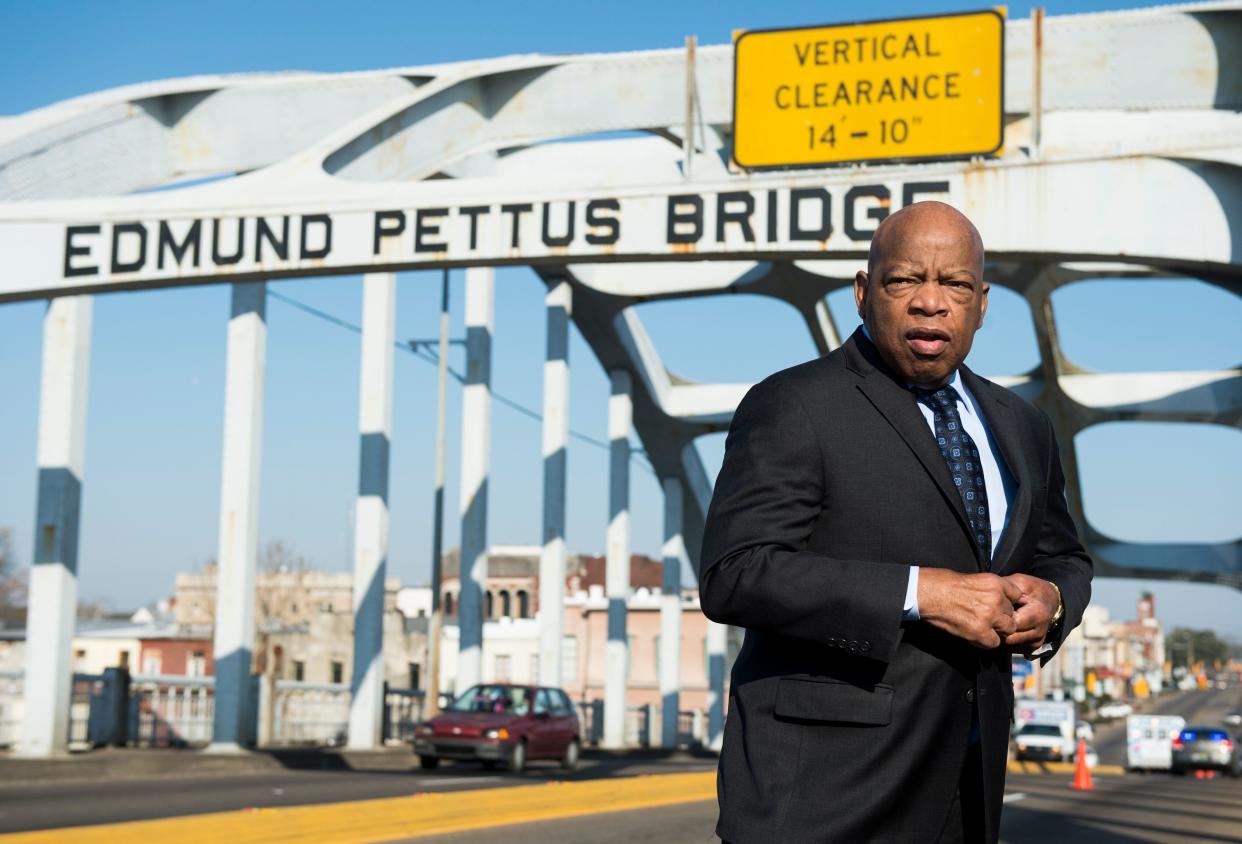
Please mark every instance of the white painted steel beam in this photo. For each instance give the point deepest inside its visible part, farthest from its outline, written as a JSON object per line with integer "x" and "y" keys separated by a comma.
{"x": 371, "y": 518}
{"x": 476, "y": 432}
{"x": 558, "y": 302}
{"x": 672, "y": 552}
{"x": 617, "y": 562}
{"x": 237, "y": 558}
{"x": 52, "y": 602}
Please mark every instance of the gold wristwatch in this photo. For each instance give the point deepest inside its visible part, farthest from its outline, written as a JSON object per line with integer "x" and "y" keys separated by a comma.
{"x": 1060, "y": 613}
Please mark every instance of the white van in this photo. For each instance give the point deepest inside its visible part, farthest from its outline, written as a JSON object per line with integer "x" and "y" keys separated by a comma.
{"x": 1149, "y": 741}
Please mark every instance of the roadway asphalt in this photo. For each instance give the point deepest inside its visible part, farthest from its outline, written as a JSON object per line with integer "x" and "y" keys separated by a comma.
{"x": 1040, "y": 808}
{"x": 55, "y": 805}
{"x": 1149, "y": 808}
{"x": 1132, "y": 808}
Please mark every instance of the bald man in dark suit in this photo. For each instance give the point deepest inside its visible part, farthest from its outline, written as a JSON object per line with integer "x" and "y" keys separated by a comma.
{"x": 889, "y": 528}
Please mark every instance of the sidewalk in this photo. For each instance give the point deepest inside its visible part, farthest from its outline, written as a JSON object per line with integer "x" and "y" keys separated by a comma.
{"x": 114, "y": 763}
{"x": 150, "y": 763}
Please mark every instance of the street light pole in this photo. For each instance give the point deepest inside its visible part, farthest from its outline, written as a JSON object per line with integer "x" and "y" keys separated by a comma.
{"x": 437, "y": 541}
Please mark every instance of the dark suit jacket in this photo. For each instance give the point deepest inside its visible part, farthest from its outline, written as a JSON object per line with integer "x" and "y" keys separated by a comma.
{"x": 846, "y": 724}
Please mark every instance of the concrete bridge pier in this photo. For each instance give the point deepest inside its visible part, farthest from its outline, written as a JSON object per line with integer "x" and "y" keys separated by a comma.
{"x": 555, "y": 461}
{"x": 239, "y": 515}
{"x": 476, "y": 431}
{"x": 366, "y": 701}
{"x": 670, "y": 614}
{"x": 52, "y": 604}
{"x": 617, "y": 563}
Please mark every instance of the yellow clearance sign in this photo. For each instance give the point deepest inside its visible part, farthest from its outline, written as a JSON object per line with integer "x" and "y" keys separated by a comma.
{"x": 887, "y": 90}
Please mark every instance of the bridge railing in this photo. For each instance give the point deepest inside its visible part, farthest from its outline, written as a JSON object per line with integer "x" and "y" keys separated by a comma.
{"x": 169, "y": 711}
{"x": 642, "y": 724}
{"x": 403, "y": 709}
{"x": 11, "y": 707}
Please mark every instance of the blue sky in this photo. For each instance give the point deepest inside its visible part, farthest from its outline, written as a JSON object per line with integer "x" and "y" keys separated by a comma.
{"x": 156, "y": 393}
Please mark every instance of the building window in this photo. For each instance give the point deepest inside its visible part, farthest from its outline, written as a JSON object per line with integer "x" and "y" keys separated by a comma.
{"x": 299, "y": 670}
{"x": 523, "y": 603}
{"x": 122, "y": 659}
{"x": 79, "y": 657}
{"x": 506, "y": 604}
{"x": 502, "y": 668}
{"x": 196, "y": 665}
{"x": 448, "y": 603}
{"x": 415, "y": 679}
{"x": 338, "y": 671}
{"x": 569, "y": 660}
{"x": 152, "y": 662}
{"x": 491, "y": 606}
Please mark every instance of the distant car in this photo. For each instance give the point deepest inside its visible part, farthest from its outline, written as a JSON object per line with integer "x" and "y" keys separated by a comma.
{"x": 1117, "y": 709}
{"x": 1043, "y": 742}
{"x": 1206, "y": 748}
{"x": 1233, "y": 718}
{"x": 502, "y": 724}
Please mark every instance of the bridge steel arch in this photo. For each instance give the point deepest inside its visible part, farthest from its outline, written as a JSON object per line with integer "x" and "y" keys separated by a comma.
{"x": 1130, "y": 165}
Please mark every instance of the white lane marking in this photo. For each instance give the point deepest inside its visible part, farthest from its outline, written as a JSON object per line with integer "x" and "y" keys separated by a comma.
{"x": 457, "y": 780}
{"x": 1014, "y": 797}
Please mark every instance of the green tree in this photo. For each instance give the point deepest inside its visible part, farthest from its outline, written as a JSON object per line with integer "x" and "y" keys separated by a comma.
{"x": 1187, "y": 646}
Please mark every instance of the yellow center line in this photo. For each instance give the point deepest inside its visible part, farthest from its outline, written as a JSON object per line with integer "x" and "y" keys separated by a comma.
{"x": 425, "y": 813}
{"x": 1029, "y": 767}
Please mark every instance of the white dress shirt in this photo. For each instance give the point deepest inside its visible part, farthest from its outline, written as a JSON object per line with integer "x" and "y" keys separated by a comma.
{"x": 996, "y": 477}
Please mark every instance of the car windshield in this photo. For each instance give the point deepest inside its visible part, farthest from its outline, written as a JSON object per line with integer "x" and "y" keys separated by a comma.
{"x": 495, "y": 699}
{"x": 1040, "y": 730}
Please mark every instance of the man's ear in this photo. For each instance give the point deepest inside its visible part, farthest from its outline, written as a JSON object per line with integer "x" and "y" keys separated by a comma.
{"x": 983, "y": 307}
{"x": 860, "y": 292}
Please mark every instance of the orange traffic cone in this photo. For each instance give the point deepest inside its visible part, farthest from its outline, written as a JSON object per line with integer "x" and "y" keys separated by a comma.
{"x": 1082, "y": 775}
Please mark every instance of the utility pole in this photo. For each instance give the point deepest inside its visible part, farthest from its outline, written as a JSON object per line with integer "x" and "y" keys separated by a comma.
{"x": 432, "y": 705}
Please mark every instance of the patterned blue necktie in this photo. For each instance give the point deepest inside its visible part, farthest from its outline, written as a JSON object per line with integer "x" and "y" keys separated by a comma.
{"x": 961, "y": 455}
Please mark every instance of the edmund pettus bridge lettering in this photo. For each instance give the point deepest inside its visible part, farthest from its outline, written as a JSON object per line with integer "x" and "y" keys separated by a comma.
{"x": 816, "y": 215}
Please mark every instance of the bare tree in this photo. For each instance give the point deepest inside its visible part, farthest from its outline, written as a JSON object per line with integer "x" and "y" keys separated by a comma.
{"x": 13, "y": 581}
{"x": 280, "y": 587}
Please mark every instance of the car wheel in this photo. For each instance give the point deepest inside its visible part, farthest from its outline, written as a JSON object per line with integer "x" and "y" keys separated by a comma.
{"x": 570, "y": 760}
{"x": 429, "y": 763}
{"x": 517, "y": 762}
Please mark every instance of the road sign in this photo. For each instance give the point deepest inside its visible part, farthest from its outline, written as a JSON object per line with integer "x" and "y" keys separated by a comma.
{"x": 913, "y": 88}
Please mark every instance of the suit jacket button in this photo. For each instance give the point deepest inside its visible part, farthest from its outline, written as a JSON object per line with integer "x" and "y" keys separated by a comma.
{"x": 853, "y": 646}
{"x": 864, "y": 646}
{"x": 970, "y": 695}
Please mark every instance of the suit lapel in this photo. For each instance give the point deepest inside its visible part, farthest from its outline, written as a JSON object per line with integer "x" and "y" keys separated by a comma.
{"x": 1004, "y": 427}
{"x": 900, "y": 409}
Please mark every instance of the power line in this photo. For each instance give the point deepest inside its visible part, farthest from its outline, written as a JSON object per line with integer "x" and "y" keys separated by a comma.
{"x": 640, "y": 457}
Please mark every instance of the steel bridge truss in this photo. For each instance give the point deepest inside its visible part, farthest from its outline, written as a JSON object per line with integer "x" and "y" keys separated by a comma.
{"x": 1128, "y": 163}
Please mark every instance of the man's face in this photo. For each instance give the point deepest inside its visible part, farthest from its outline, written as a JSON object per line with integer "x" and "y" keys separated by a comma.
{"x": 924, "y": 298}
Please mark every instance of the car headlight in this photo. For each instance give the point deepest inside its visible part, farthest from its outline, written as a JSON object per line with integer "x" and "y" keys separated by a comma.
{"x": 1056, "y": 748}
{"x": 502, "y": 733}
{"x": 425, "y": 730}
{"x": 1022, "y": 748}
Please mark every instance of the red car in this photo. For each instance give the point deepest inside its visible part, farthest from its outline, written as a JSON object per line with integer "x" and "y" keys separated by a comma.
{"x": 498, "y": 723}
